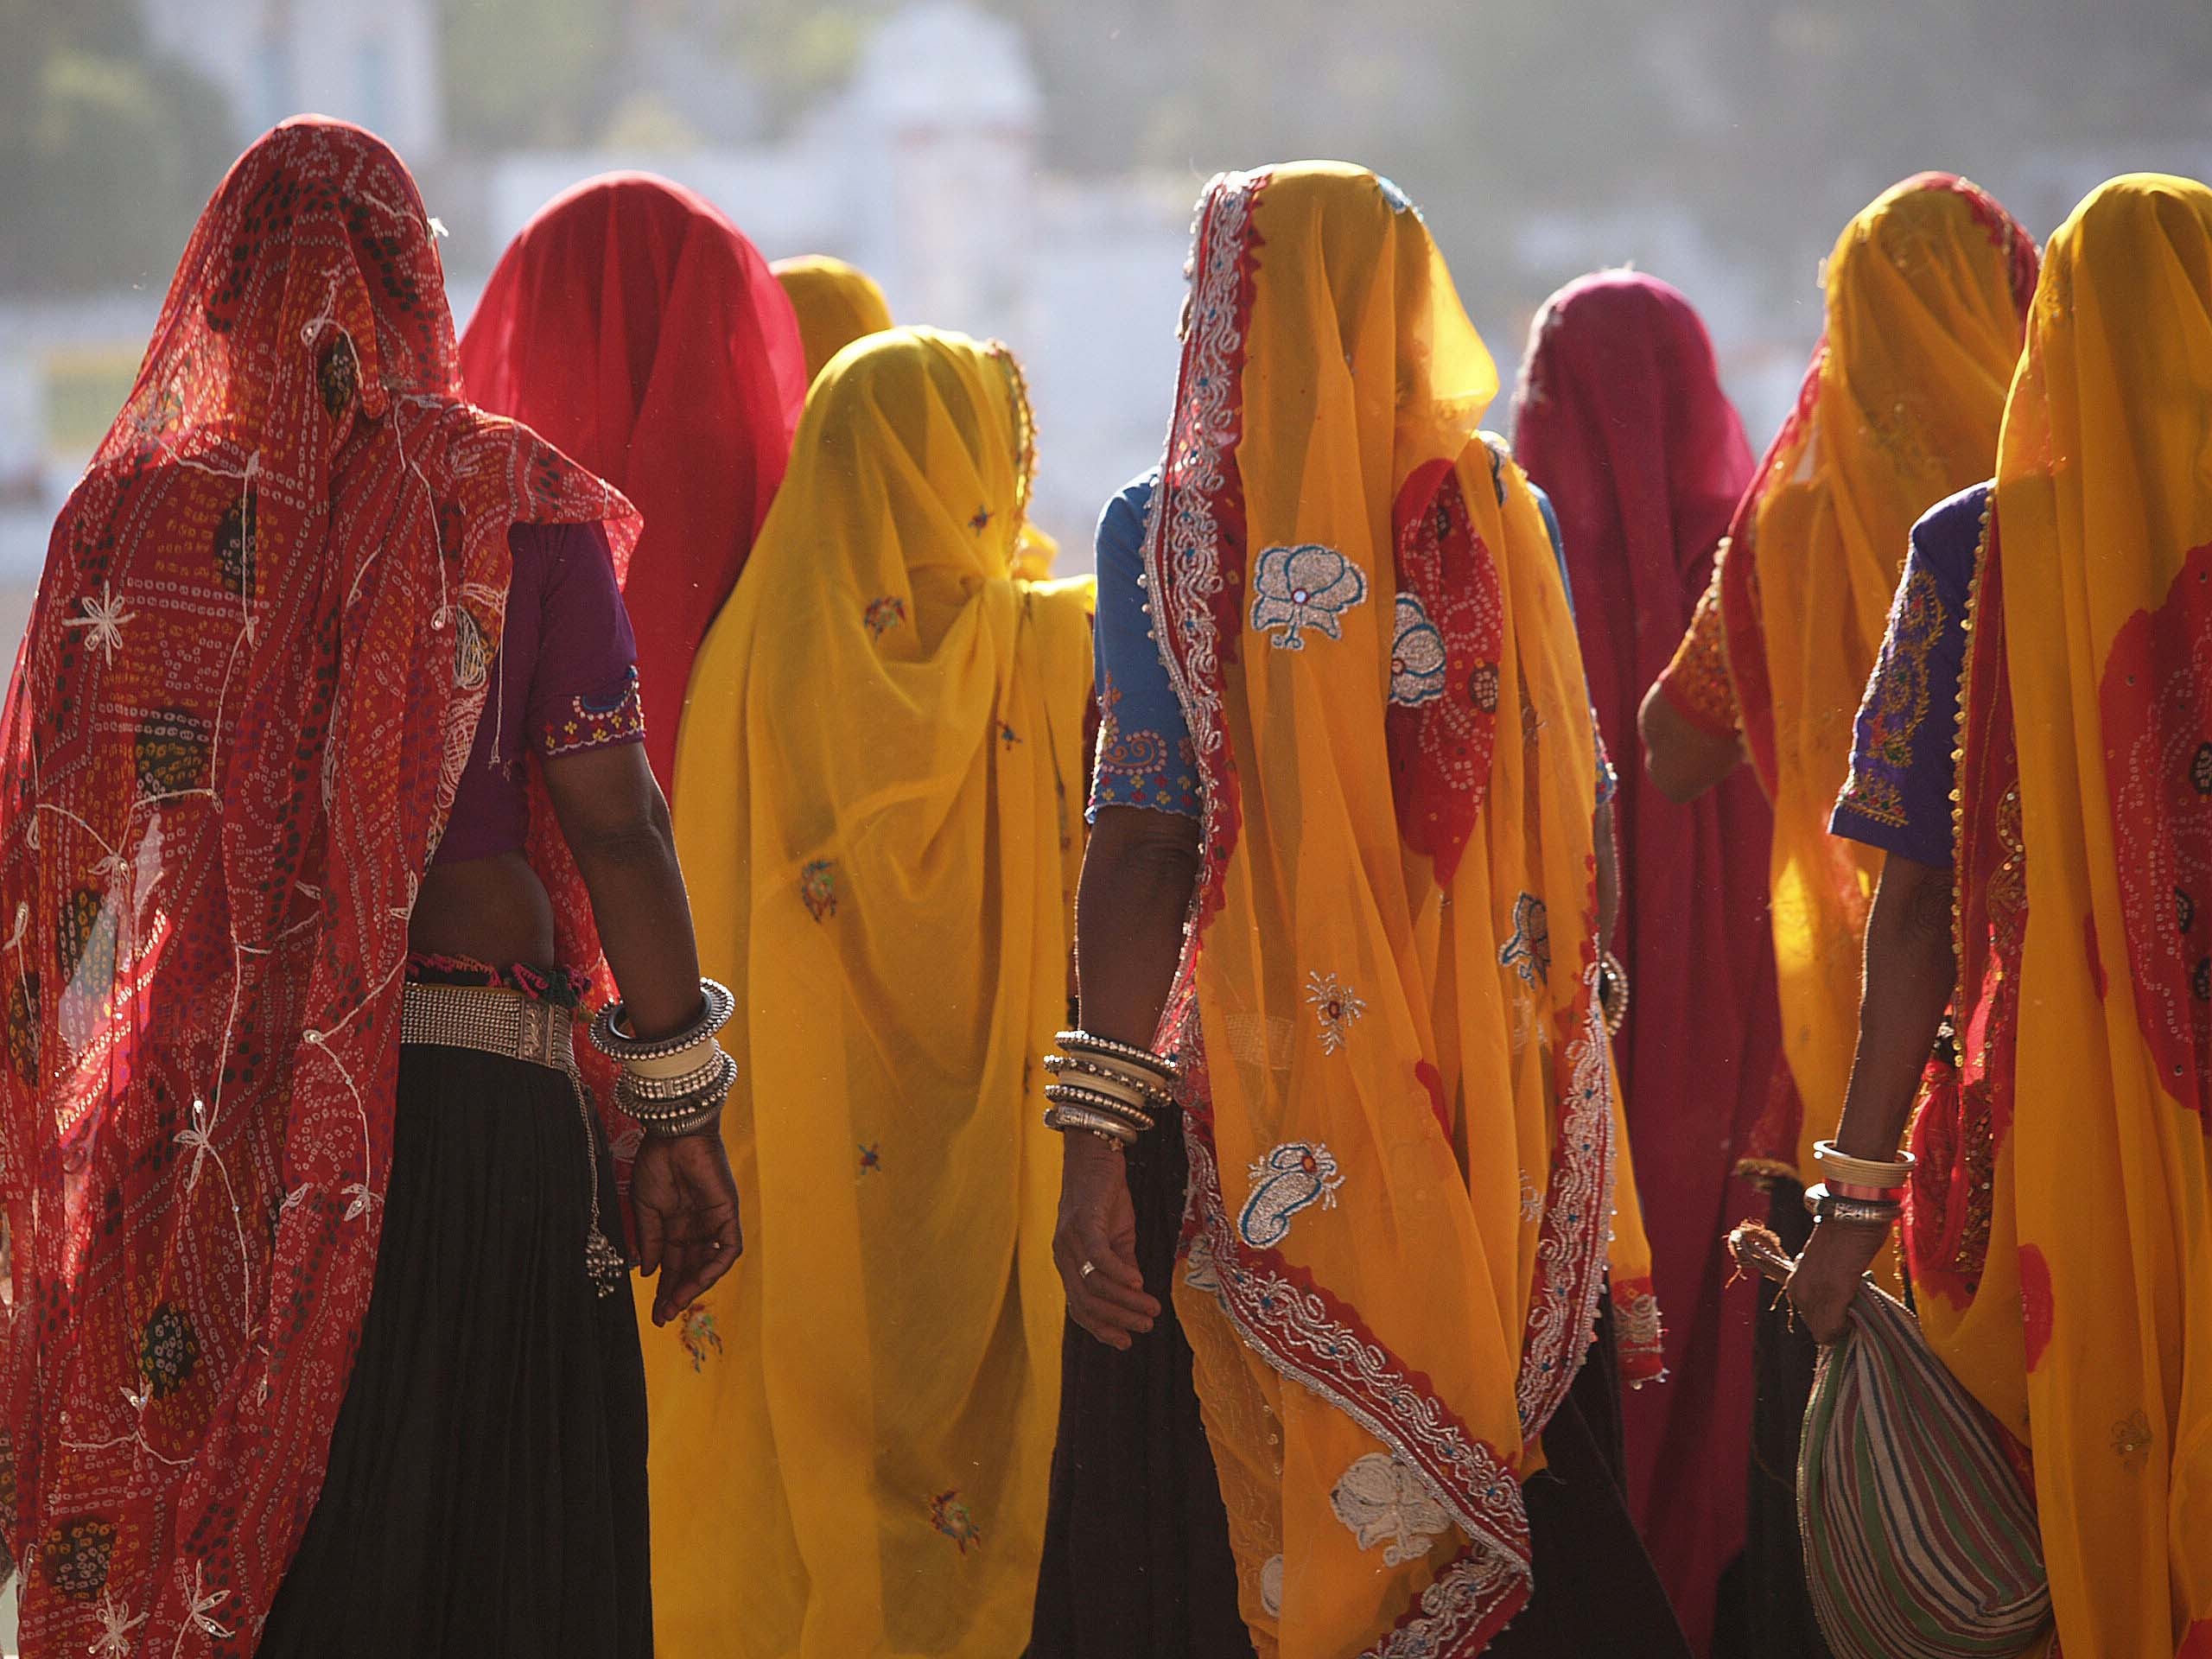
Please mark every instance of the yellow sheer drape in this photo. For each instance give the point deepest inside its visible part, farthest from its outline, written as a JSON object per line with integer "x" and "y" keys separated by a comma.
{"x": 881, "y": 771}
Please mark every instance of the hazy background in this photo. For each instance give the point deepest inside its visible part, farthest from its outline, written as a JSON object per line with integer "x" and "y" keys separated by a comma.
{"x": 1027, "y": 167}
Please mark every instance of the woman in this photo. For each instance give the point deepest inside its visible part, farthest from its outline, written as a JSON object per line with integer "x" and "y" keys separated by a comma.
{"x": 267, "y": 1149}
{"x": 636, "y": 328}
{"x": 2056, "y": 1219}
{"x": 1900, "y": 408}
{"x": 877, "y": 792}
{"x": 1620, "y": 419}
{"x": 1395, "y": 1094}
{"x": 836, "y": 304}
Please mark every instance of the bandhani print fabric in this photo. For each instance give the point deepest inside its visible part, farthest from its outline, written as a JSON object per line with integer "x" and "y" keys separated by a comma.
{"x": 234, "y": 731}
{"x": 2057, "y": 1223}
{"x": 1372, "y": 1392}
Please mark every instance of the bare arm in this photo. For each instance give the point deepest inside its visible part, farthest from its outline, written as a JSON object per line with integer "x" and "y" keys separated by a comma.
{"x": 1682, "y": 758}
{"x": 617, "y": 826}
{"x": 1909, "y": 976}
{"x": 1138, "y": 874}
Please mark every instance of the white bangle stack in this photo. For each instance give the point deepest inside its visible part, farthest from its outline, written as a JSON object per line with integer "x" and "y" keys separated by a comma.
{"x": 1112, "y": 1090}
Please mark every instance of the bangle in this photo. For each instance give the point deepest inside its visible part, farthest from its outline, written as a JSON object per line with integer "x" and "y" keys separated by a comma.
{"x": 1824, "y": 1206}
{"x": 1864, "y": 1172}
{"x": 718, "y": 1067}
{"x": 1123, "y": 1083}
{"x": 1070, "y": 1094}
{"x": 654, "y": 1109}
{"x": 1868, "y": 1194}
{"x": 669, "y": 1129}
{"x": 1064, "y": 1118}
{"x": 1105, "y": 1048}
{"x": 1612, "y": 992}
{"x": 610, "y": 1039}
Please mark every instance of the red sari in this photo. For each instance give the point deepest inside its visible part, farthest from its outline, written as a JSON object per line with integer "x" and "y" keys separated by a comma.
{"x": 1621, "y": 420}
{"x": 636, "y": 327}
{"x": 248, "y": 686}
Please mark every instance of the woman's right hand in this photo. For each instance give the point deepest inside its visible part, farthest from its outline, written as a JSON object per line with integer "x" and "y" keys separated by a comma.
{"x": 1827, "y": 1277}
{"x": 1097, "y": 1230}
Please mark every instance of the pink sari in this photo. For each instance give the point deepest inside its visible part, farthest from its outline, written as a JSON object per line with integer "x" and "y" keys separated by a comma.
{"x": 1621, "y": 420}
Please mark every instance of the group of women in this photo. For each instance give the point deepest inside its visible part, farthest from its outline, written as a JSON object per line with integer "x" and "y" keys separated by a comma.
{"x": 1169, "y": 1038}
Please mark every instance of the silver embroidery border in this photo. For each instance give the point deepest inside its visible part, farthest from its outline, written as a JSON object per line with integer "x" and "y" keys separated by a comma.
{"x": 1182, "y": 534}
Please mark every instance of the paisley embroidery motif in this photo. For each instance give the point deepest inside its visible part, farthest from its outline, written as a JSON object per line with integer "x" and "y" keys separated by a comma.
{"x": 1529, "y": 952}
{"x": 1295, "y": 588}
{"x": 1384, "y": 1502}
{"x": 1295, "y": 1176}
{"x": 1336, "y": 1005}
{"x": 1417, "y": 660}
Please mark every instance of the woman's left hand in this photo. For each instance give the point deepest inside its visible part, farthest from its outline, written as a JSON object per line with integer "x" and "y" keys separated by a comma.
{"x": 1827, "y": 1275}
{"x": 685, "y": 1200}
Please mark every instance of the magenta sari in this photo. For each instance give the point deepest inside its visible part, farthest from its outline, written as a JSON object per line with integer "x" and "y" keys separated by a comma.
{"x": 1621, "y": 419}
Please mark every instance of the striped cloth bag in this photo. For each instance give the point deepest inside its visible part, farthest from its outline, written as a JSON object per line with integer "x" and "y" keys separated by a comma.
{"x": 1920, "y": 1541}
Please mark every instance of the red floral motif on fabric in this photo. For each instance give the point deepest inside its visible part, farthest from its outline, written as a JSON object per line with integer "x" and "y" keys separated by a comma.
{"x": 2155, "y": 701}
{"x": 1440, "y": 749}
{"x": 232, "y": 740}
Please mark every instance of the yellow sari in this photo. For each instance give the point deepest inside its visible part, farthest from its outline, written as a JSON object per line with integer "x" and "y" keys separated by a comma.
{"x": 836, "y": 304}
{"x": 2088, "y": 1331}
{"x": 1399, "y": 1116}
{"x": 880, "y": 820}
{"x": 1926, "y": 290}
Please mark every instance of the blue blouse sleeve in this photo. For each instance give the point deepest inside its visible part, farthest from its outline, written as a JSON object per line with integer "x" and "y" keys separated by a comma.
{"x": 1609, "y": 783}
{"x": 1145, "y": 757}
{"x": 1898, "y": 795}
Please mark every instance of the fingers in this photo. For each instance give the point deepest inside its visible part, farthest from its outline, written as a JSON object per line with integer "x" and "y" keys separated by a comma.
{"x": 1115, "y": 1280}
{"x": 1100, "y": 1301}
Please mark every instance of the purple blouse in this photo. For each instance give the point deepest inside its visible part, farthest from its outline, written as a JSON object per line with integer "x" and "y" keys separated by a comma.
{"x": 1898, "y": 795}
{"x": 565, "y": 679}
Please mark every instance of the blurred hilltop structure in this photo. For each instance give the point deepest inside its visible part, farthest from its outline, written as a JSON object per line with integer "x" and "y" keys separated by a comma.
{"x": 1025, "y": 169}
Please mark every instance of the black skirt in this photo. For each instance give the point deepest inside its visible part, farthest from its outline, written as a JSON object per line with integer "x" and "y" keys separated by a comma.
{"x": 486, "y": 1489}
{"x": 1766, "y": 1611}
{"x": 1137, "y": 1561}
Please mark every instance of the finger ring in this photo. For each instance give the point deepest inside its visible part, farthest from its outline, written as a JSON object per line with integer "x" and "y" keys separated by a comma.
{"x": 1086, "y": 1269}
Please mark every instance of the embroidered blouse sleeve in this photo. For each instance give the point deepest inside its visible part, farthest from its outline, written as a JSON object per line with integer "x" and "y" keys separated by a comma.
{"x": 1145, "y": 757}
{"x": 583, "y": 692}
{"x": 1609, "y": 783}
{"x": 1696, "y": 681}
{"x": 1898, "y": 796}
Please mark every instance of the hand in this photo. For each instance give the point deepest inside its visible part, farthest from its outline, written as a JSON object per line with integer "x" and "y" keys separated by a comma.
{"x": 685, "y": 1200}
{"x": 1098, "y": 1227}
{"x": 1827, "y": 1275}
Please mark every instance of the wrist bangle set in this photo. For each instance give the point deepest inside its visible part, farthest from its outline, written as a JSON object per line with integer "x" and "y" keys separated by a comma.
{"x": 1861, "y": 1191}
{"x": 673, "y": 1085}
{"x": 1112, "y": 1090}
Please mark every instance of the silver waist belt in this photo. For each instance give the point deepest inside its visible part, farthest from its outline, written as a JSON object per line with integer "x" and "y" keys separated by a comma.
{"x": 505, "y": 1023}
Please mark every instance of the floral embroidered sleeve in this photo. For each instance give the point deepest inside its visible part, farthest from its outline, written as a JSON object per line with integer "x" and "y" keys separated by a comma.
{"x": 1899, "y": 794}
{"x": 584, "y": 689}
{"x": 1145, "y": 757}
{"x": 1696, "y": 681}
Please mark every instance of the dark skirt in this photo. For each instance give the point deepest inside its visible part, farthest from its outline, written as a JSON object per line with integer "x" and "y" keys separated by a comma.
{"x": 1137, "y": 1562}
{"x": 1766, "y": 1611}
{"x": 486, "y": 1487}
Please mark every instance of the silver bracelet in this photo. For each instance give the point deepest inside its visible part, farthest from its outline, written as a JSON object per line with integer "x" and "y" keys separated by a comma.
{"x": 610, "y": 1039}
{"x": 1064, "y": 1118}
{"x": 648, "y": 1109}
{"x": 1090, "y": 1100}
{"x": 672, "y": 1129}
{"x": 691, "y": 1082}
